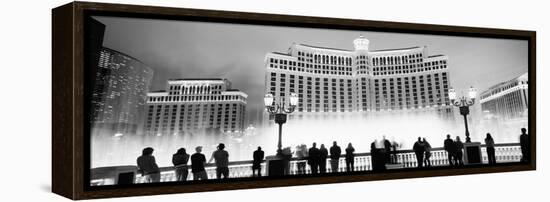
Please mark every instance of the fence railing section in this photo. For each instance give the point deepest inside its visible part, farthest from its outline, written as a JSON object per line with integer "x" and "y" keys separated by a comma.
{"x": 510, "y": 152}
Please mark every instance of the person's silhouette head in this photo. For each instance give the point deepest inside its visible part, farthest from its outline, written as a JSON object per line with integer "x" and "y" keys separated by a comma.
{"x": 198, "y": 149}
{"x": 457, "y": 138}
{"x": 448, "y": 136}
{"x": 349, "y": 145}
{"x": 147, "y": 151}
{"x": 419, "y": 139}
{"x": 424, "y": 139}
{"x": 221, "y": 146}
{"x": 259, "y": 148}
{"x": 322, "y": 146}
{"x": 314, "y": 145}
{"x": 523, "y": 131}
{"x": 489, "y": 135}
{"x": 181, "y": 151}
{"x": 334, "y": 143}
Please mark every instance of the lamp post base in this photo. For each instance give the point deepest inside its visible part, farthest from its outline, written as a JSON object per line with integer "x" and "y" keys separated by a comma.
{"x": 472, "y": 151}
{"x": 276, "y": 165}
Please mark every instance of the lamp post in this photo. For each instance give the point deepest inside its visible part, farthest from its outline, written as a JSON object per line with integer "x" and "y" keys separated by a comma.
{"x": 280, "y": 111}
{"x": 464, "y": 104}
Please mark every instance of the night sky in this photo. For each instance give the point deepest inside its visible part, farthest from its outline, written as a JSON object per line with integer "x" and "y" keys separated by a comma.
{"x": 179, "y": 49}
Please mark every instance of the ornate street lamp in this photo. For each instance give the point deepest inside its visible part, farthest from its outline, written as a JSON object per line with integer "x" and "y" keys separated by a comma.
{"x": 464, "y": 104}
{"x": 280, "y": 111}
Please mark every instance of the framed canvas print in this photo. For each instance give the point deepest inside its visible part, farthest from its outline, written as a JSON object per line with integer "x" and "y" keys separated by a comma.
{"x": 155, "y": 100}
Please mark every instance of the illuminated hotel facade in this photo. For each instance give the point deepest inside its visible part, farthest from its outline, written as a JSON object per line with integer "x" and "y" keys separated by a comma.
{"x": 119, "y": 94}
{"x": 362, "y": 81}
{"x": 190, "y": 106}
{"x": 507, "y": 101}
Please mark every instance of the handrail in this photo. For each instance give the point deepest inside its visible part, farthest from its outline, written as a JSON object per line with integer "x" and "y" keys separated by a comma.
{"x": 245, "y": 162}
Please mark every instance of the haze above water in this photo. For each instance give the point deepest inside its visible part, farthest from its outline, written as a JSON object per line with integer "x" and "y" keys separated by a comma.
{"x": 361, "y": 132}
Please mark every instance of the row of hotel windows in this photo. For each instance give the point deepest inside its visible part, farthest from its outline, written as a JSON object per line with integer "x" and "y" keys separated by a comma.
{"x": 194, "y": 119}
{"x": 362, "y": 69}
{"x": 504, "y": 88}
{"x": 397, "y": 59}
{"x": 202, "y": 89}
{"x": 324, "y": 59}
{"x": 434, "y": 96}
{"x": 310, "y": 68}
{"x": 346, "y": 60}
{"x": 185, "y": 98}
{"x": 510, "y": 105}
{"x": 405, "y": 69}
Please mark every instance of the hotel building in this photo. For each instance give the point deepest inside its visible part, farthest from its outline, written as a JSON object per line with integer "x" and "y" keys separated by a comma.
{"x": 507, "y": 100}
{"x": 119, "y": 95}
{"x": 360, "y": 80}
{"x": 190, "y": 106}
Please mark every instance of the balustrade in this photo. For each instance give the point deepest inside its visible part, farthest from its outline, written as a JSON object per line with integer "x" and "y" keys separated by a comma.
{"x": 510, "y": 152}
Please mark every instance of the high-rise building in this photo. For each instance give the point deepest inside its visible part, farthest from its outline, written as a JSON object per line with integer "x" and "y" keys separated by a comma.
{"x": 507, "y": 100}
{"x": 119, "y": 95}
{"x": 191, "y": 106}
{"x": 332, "y": 81}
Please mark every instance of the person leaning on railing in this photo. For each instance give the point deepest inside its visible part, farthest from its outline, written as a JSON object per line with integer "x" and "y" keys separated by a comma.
{"x": 222, "y": 161}
{"x": 490, "y": 143}
{"x": 258, "y": 157}
{"x": 180, "y": 159}
{"x": 197, "y": 165}
{"x": 335, "y": 153}
{"x": 147, "y": 166}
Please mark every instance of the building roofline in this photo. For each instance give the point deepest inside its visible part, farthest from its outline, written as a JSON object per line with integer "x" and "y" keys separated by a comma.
{"x": 133, "y": 58}
{"x": 197, "y": 79}
{"x": 320, "y": 47}
{"x": 395, "y": 49}
{"x": 493, "y": 87}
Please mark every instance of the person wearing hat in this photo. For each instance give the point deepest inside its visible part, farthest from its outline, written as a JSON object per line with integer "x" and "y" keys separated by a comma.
{"x": 197, "y": 165}
{"x": 222, "y": 161}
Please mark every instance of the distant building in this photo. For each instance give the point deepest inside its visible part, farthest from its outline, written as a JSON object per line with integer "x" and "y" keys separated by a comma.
{"x": 191, "y": 106}
{"x": 507, "y": 101}
{"x": 119, "y": 95}
{"x": 332, "y": 81}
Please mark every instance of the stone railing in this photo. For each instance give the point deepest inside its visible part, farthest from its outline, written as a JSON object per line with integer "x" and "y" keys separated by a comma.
{"x": 509, "y": 152}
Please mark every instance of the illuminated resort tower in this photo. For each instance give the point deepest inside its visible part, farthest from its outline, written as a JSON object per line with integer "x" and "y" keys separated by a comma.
{"x": 332, "y": 81}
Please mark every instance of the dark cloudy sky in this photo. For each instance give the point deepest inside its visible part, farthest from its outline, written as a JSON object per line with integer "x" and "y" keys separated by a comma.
{"x": 179, "y": 49}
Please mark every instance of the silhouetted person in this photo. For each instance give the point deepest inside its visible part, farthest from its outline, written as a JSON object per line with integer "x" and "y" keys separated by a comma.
{"x": 147, "y": 166}
{"x": 394, "y": 147}
{"x": 323, "y": 155}
{"x": 313, "y": 158}
{"x": 258, "y": 157}
{"x": 450, "y": 147}
{"x": 350, "y": 158}
{"x": 490, "y": 145}
{"x": 197, "y": 165}
{"x": 418, "y": 148}
{"x": 335, "y": 153}
{"x": 222, "y": 161}
{"x": 525, "y": 146}
{"x": 287, "y": 155}
{"x": 387, "y": 149}
{"x": 459, "y": 151}
{"x": 301, "y": 154}
{"x": 180, "y": 159}
{"x": 427, "y": 153}
{"x": 377, "y": 157}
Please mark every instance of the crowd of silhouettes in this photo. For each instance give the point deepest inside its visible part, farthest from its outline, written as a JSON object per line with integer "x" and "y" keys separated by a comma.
{"x": 383, "y": 152}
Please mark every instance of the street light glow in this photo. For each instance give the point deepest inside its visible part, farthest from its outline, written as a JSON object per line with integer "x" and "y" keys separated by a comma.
{"x": 472, "y": 93}
{"x": 293, "y": 99}
{"x": 268, "y": 100}
{"x": 452, "y": 94}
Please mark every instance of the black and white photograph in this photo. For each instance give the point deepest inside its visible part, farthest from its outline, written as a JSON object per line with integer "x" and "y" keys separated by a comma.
{"x": 189, "y": 101}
